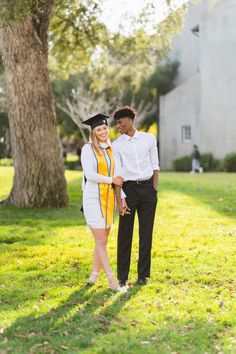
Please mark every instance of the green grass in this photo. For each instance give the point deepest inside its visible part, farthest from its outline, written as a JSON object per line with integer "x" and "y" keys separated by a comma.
{"x": 189, "y": 306}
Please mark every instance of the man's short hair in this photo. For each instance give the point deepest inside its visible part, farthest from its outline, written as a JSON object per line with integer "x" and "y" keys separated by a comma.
{"x": 125, "y": 111}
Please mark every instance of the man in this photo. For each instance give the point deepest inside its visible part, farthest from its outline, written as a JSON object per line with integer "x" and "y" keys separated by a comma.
{"x": 136, "y": 159}
{"x": 196, "y": 160}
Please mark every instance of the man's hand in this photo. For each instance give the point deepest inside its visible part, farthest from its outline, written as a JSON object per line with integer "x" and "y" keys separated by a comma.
{"x": 155, "y": 180}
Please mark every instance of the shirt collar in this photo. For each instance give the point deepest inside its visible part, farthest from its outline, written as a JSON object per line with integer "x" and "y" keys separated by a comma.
{"x": 135, "y": 136}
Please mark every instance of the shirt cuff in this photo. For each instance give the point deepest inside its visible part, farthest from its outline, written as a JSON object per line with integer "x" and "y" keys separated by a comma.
{"x": 156, "y": 168}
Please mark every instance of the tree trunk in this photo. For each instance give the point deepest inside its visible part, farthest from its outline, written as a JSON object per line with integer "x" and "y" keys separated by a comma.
{"x": 39, "y": 173}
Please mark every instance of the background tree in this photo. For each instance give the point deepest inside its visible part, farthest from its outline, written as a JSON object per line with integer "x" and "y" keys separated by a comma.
{"x": 82, "y": 104}
{"x": 132, "y": 68}
{"x": 74, "y": 33}
{"x": 158, "y": 83}
{"x": 118, "y": 70}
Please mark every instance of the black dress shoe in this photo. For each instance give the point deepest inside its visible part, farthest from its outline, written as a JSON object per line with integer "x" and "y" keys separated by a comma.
{"x": 122, "y": 283}
{"x": 142, "y": 281}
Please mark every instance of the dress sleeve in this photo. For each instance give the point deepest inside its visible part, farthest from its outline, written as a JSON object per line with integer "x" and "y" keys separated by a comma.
{"x": 89, "y": 166}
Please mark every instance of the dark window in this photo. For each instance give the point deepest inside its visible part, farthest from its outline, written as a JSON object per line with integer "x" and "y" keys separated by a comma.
{"x": 186, "y": 134}
{"x": 196, "y": 30}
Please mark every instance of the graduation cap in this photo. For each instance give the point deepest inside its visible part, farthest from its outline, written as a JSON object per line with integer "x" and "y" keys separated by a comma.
{"x": 95, "y": 121}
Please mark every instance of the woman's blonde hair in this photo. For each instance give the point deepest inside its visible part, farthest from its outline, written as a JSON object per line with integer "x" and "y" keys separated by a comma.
{"x": 95, "y": 142}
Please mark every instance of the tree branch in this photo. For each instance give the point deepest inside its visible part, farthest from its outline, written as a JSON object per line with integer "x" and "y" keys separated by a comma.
{"x": 42, "y": 21}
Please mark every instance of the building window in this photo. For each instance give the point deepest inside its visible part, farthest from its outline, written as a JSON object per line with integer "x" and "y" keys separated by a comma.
{"x": 186, "y": 134}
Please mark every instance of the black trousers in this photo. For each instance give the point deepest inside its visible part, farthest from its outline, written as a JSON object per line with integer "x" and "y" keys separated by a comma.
{"x": 143, "y": 198}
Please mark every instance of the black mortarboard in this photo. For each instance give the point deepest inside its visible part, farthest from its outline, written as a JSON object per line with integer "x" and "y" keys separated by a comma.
{"x": 95, "y": 121}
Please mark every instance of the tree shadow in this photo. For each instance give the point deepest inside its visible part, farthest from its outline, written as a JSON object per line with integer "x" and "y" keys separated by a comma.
{"x": 170, "y": 335}
{"x": 215, "y": 190}
{"x": 18, "y": 224}
{"x": 75, "y": 197}
{"x": 75, "y": 323}
{"x": 90, "y": 322}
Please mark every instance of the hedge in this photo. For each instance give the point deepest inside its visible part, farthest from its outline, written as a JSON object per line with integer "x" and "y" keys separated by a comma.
{"x": 230, "y": 162}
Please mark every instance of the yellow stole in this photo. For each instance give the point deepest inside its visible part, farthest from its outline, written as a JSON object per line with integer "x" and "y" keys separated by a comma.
{"x": 106, "y": 192}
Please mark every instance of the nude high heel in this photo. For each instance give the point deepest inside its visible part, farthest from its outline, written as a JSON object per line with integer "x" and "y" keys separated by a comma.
{"x": 115, "y": 287}
{"x": 93, "y": 278}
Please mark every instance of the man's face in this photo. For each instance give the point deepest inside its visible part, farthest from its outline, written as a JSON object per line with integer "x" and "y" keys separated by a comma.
{"x": 124, "y": 125}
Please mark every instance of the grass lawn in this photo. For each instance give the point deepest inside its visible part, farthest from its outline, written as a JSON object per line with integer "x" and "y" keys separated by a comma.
{"x": 189, "y": 306}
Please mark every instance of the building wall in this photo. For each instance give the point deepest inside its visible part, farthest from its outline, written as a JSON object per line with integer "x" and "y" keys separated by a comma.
{"x": 206, "y": 100}
{"x": 218, "y": 75}
{"x": 185, "y": 47}
{"x": 179, "y": 108}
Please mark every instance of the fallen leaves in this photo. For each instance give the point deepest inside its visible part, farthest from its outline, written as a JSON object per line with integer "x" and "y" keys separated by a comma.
{"x": 158, "y": 305}
{"x": 46, "y": 348}
{"x": 4, "y": 341}
{"x": 26, "y": 336}
{"x": 134, "y": 323}
{"x": 64, "y": 347}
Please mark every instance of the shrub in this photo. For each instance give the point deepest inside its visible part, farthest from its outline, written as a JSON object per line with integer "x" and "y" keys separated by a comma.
{"x": 209, "y": 163}
{"x": 206, "y": 161}
{"x": 182, "y": 164}
{"x": 6, "y": 162}
{"x": 218, "y": 165}
{"x": 230, "y": 162}
{"x": 71, "y": 165}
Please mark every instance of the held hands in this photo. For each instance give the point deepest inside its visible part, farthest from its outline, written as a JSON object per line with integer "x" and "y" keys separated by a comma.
{"x": 123, "y": 208}
{"x": 118, "y": 181}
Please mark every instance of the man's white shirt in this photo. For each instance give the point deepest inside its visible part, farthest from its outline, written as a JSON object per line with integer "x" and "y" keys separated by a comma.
{"x": 135, "y": 157}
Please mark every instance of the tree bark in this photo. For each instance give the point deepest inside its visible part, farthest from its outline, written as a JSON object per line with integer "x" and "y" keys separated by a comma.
{"x": 39, "y": 173}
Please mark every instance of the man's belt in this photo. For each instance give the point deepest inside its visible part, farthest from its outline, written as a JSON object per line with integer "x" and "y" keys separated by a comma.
{"x": 140, "y": 181}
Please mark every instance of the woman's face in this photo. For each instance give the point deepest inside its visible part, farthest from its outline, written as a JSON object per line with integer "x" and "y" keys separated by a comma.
{"x": 102, "y": 133}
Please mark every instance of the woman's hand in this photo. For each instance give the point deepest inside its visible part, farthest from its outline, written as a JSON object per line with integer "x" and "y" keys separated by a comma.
{"x": 118, "y": 180}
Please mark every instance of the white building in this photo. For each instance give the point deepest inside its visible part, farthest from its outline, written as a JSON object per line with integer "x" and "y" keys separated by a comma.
{"x": 201, "y": 109}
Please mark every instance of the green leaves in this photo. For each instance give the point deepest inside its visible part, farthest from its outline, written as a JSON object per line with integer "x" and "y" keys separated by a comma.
{"x": 15, "y": 10}
{"x": 74, "y": 33}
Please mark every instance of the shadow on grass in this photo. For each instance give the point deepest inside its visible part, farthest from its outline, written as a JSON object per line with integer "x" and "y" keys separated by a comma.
{"x": 91, "y": 322}
{"x": 37, "y": 226}
{"x": 169, "y": 336}
{"x": 216, "y": 190}
{"x": 75, "y": 324}
{"x": 38, "y": 219}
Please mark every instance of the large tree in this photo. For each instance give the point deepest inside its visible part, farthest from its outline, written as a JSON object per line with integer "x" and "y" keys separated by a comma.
{"x": 39, "y": 173}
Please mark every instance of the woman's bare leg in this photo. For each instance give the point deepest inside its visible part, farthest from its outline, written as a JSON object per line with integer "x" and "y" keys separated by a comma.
{"x": 96, "y": 261}
{"x": 101, "y": 259}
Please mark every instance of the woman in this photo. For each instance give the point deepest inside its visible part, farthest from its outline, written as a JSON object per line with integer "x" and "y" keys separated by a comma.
{"x": 98, "y": 194}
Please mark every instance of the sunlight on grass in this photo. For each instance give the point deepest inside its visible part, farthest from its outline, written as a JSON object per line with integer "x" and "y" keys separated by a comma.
{"x": 189, "y": 306}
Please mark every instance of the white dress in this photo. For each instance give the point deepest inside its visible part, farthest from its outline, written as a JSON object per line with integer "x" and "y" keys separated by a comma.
{"x": 90, "y": 188}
